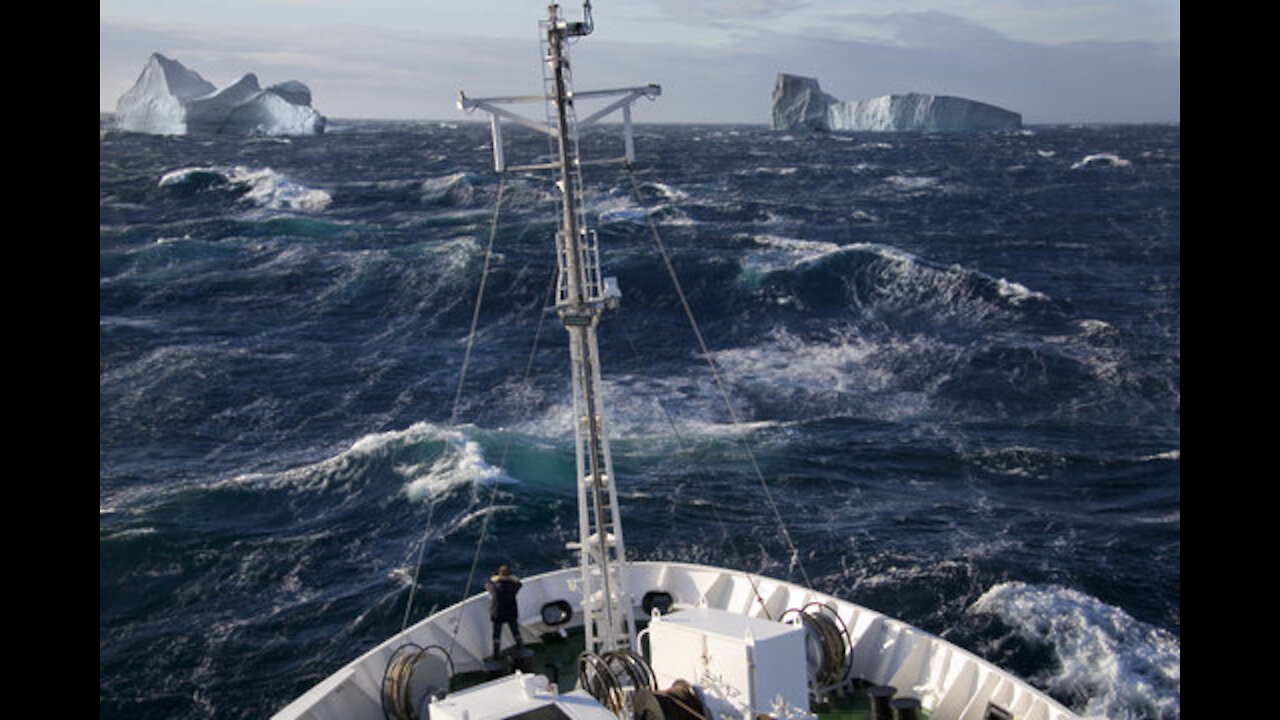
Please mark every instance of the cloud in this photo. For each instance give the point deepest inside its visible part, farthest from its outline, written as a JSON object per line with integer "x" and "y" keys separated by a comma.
{"x": 367, "y": 72}
{"x": 932, "y": 30}
{"x": 729, "y": 11}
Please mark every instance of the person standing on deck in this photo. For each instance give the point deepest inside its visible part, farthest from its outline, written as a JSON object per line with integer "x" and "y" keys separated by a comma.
{"x": 503, "y": 608}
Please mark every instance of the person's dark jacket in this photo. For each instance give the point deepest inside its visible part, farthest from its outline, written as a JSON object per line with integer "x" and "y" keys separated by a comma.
{"x": 502, "y": 592}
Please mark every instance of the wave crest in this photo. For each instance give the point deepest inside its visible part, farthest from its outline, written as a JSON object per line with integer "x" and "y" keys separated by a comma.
{"x": 430, "y": 462}
{"x": 810, "y": 275}
{"x": 262, "y": 187}
{"x": 1120, "y": 664}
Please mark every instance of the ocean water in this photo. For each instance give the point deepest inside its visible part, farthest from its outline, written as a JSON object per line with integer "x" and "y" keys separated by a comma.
{"x": 956, "y": 359}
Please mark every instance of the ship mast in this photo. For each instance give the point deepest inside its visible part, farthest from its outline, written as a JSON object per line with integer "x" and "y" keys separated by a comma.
{"x": 580, "y": 301}
{"x": 582, "y": 295}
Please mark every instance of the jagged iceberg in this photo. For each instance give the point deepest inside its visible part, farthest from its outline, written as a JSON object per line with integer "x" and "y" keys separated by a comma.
{"x": 169, "y": 99}
{"x": 798, "y": 103}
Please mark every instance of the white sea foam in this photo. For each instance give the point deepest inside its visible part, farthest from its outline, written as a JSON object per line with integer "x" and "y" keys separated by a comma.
{"x": 660, "y": 202}
{"x": 778, "y": 253}
{"x": 1101, "y": 160}
{"x": 1017, "y": 292}
{"x": 789, "y": 362}
{"x": 272, "y": 190}
{"x": 646, "y": 407}
{"x": 130, "y": 533}
{"x": 840, "y": 372}
{"x": 1021, "y": 461}
{"x": 808, "y": 248}
{"x": 905, "y": 182}
{"x": 137, "y": 323}
{"x": 618, "y": 209}
{"x": 468, "y": 518}
{"x": 456, "y": 253}
{"x": 458, "y": 188}
{"x": 177, "y": 177}
{"x": 460, "y": 463}
{"x": 1094, "y": 326}
{"x": 667, "y": 191}
{"x": 266, "y": 188}
{"x": 904, "y": 279}
{"x": 463, "y": 464}
{"x": 1171, "y": 518}
{"x": 768, "y": 170}
{"x": 1123, "y": 665}
{"x": 631, "y": 215}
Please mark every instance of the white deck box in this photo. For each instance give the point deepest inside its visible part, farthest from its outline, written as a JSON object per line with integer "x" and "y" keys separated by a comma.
{"x": 744, "y": 665}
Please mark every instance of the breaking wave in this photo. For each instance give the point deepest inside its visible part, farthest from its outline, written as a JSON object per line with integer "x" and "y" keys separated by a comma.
{"x": 261, "y": 187}
{"x": 1125, "y": 668}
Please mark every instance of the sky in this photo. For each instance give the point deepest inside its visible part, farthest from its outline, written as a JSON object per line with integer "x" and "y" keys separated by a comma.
{"x": 1052, "y": 61}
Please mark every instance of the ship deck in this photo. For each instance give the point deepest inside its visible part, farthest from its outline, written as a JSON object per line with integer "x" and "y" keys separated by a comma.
{"x": 556, "y": 656}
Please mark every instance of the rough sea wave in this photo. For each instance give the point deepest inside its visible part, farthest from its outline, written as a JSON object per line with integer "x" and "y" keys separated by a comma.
{"x": 956, "y": 359}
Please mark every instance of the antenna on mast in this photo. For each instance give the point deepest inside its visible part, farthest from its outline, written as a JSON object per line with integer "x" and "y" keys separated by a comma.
{"x": 585, "y": 27}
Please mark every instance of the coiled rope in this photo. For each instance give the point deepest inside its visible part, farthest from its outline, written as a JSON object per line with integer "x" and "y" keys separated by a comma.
{"x": 599, "y": 681}
{"x": 832, "y": 666}
{"x": 679, "y": 702}
{"x": 397, "y": 698}
{"x": 715, "y": 373}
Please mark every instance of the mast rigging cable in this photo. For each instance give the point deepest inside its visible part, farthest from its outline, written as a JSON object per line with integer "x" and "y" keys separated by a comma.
{"x": 715, "y": 374}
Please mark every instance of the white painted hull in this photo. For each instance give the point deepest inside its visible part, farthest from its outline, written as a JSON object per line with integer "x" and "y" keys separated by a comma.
{"x": 951, "y": 683}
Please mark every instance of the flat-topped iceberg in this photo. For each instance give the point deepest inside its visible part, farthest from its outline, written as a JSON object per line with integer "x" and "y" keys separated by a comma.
{"x": 798, "y": 103}
{"x": 169, "y": 99}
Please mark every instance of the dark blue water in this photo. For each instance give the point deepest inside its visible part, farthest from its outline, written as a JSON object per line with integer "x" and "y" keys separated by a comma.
{"x": 956, "y": 359}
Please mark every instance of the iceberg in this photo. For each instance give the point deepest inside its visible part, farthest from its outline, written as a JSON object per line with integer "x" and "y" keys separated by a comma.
{"x": 799, "y": 103}
{"x": 169, "y": 99}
